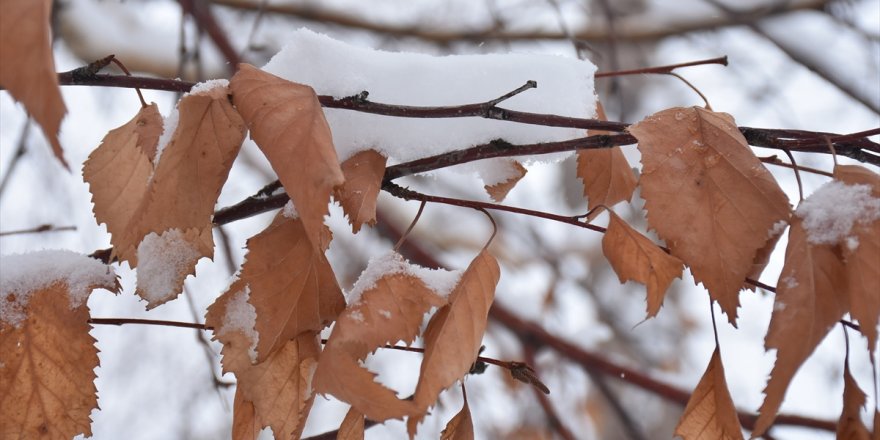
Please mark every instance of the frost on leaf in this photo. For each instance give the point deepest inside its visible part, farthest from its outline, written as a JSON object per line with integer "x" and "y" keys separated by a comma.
{"x": 708, "y": 196}
{"x": 292, "y": 286}
{"x": 48, "y": 363}
{"x": 460, "y": 427}
{"x": 352, "y": 427}
{"x": 850, "y": 425}
{"x": 514, "y": 173}
{"x": 164, "y": 261}
{"x": 607, "y": 176}
{"x": 363, "y": 179}
{"x": 27, "y": 69}
{"x": 454, "y": 334}
{"x": 362, "y": 328}
{"x": 808, "y": 304}
{"x": 176, "y": 189}
{"x": 287, "y": 123}
{"x": 710, "y": 413}
{"x": 634, "y": 257}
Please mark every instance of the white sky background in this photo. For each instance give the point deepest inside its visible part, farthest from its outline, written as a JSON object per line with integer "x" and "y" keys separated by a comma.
{"x": 155, "y": 382}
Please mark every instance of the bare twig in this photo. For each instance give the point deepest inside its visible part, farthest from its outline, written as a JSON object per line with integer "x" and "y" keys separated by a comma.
{"x": 38, "y": 230}
{"x": 200, "y": 11}
{"x": 20, "y": 149}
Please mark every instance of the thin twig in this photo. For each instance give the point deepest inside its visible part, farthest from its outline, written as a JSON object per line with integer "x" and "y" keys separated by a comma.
{"x": 38, "y": 230}
{"x": 20, "y": 149}
{"x": 663, "y": 69}
{"x": 554, "y": 419}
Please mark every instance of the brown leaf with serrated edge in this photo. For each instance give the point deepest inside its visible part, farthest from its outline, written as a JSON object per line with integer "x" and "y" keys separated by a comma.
{"x": 389, "y": 312}
{"x": 48, "y": 370}
{"x": 807, "y": 306}
{"x": 287, "y": 123}
{"x": 862, "y": 269}
{"x": 461, "y": 426}
{"x": 762, "y": 257}
{"x": 710, "y": 413}
{"x": 292, "y": 286}
{"x": 499, "y": 190}
{"x": 27, "y": 69}
{"x": 634, "y": 257}
{"x": 363, "y": 180}
{"x": 244, "y": 421}
{"x": 118, "y": 173}
{"x": 179, "y": 188}
{"x": 607, "y": 176}
{"x": 280, "y": 386}
{"x": 352, "y": 427}
{"x": 850, "y": 425}
{"x": 454, "y": 334}
{"x": 708, "y": 196}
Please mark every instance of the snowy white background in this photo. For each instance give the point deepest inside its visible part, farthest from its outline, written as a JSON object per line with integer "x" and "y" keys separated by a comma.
{"x": 157, "y": 382}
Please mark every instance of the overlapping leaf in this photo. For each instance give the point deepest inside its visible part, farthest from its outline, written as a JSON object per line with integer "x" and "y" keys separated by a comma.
{"x": 454, "y": 334}
{"x": 850, "y": 425}
{"x": 291, "y": 284}
{"x": 244, "y": 420}
{"x": 363, "y": 180}
{"x": 708, "y": 196}
{"x": 634, "y": 257}
{"x": 390, "y": 311}
{"x": 710, "y": 413}
{"x": 27, "y": 69}
{"x": 287, "y": 123}
{"x": 136, "y": 194}
{"x": 352, "y": 427}
{"x": 607, "y": 176}
{"x": 807, "y": 305}
{"x": 460, "y": 427}
{"x": 48, "y": 370}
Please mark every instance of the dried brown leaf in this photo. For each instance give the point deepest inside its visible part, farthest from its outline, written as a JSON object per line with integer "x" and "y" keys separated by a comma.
{"x": 389, "y": 312}
{"x": 454, "y": 334}
{"x": 287, "y": 123}
{"x": 807, "y": 306}
{"x": 244, "y": 420}
{"x": 850, "y": 425}
{"x": 363, "y": 179}
{"x": 176, "y": 190}
{"x": 27, "y": 69}
{"x": 710, "y": 413}
{"x": 708, "y": 196}
{"x": 499, "y": 190}
{"x": 862, "y": 268}
{"x": 48, "y": 371}
{"x": 291, "y": 284}
{"x": 634, "y": 257}
{"x": 460, "y": 427}
{"x": 607, "y": 176}
{"x": 352, "y": 427}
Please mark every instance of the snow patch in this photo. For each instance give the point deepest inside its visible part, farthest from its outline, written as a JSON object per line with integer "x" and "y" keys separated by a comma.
{"x": 441, "y": 281}
{"x": 289, "y": 210}
{"x": 357, "y": 316}
{"x": 777, "y": 229}
{"x": 169, "y": 126}
{"x": 161, "y": 260}
{"x": 206, "y": 86}
{"x": 242, "y": 316}
{"x": 23, "y": 274}
{"x": 565, "y": 87}
{"x": 831, "y": 212}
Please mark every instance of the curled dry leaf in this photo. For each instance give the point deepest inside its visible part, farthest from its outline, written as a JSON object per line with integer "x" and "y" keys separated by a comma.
{"x": 454, "y": 334}
{"x": 850, "y": 425}
{"x": 390, "y": 311}
{"x": 862, "y": 269}
{"x": 291, "y": 284}
{"x": 136, "y": 194}
{"x": 47, "y": 375}
{"x": 352, "y": 427}
{"x": 607, "y": 176}
{"x": 27, "y": 69}
{"x": 499, "y": 190}
{"x": 363, "y": 180}
{"x": 710, "y": 413}
{"x": 708, "y": 196}
{"x": 287, "y": 123}
{"x": 807, "y": 305}
{"x": 634, "y": 257}
{"x": 460, "y": 427}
